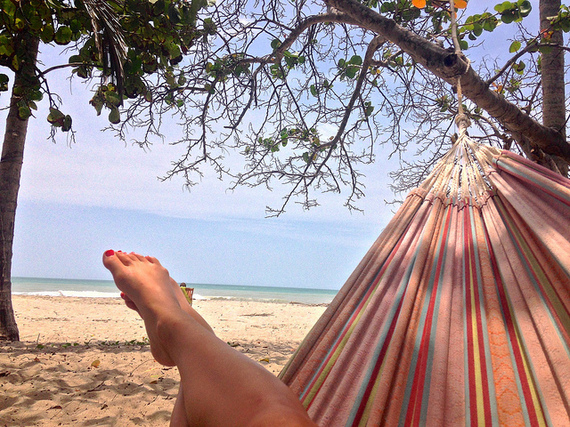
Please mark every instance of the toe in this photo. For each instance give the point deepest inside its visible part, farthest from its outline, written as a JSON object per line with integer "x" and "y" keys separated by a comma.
{"x": 111, "y": 260}
{"x": 152, "y": 260}
{"x": 125, "y": 258}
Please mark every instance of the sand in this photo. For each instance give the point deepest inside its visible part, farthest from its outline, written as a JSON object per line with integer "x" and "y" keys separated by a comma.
{"x": 87, "y": 362}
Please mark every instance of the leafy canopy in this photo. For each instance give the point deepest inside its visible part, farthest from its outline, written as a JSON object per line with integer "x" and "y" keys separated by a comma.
{"x": 121, "y": 41}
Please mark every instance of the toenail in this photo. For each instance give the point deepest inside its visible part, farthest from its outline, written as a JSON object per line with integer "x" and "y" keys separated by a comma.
{"x": 110, "y": 252}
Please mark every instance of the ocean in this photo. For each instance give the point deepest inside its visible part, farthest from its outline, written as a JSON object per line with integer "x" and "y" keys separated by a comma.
{"x": 107, "y": 289}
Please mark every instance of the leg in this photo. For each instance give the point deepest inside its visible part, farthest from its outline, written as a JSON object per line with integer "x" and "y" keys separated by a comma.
{"x": 220, "y": 386}
{"x": 178, "y": 418}
{"x": 181, "y": 300}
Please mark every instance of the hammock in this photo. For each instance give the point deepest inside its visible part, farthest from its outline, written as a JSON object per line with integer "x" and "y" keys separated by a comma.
{"x": 459, "y": 314}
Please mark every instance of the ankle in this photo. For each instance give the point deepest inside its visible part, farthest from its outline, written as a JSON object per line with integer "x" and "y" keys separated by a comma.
{"x": 168, "y": 324}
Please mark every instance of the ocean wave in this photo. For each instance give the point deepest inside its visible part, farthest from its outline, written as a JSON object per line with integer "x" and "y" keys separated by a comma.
{"x": 89, "y": 294}
{"x": 260, "y": 297}
{"x": 76, "y": 294}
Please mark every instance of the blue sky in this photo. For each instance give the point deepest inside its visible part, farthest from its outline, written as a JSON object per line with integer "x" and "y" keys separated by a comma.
{"x": 78, "y": 200}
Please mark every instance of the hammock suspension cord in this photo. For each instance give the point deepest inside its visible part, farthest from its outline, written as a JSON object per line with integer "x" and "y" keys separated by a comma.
{"x": 462, "y": 121}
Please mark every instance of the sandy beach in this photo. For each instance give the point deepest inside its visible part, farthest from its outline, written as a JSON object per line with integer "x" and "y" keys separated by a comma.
{"x": 86, "y": 361}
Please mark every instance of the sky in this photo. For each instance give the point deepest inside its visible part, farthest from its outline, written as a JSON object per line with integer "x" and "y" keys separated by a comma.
{"x": 78, "y": 200}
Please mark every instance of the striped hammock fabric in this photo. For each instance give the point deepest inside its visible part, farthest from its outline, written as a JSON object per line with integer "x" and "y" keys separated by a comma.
{"x": 459, "y": 314}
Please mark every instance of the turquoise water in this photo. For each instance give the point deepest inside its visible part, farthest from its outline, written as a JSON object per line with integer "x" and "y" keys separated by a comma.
{"x": 106, "y": 288}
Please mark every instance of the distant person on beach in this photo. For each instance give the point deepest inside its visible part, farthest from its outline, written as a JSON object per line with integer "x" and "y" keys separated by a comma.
{"x": 218, "y": 385}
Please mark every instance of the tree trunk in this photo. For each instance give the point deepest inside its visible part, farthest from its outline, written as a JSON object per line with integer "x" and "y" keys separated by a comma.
{"x": 10, "y": 171}
{"x": 552, "y": 73}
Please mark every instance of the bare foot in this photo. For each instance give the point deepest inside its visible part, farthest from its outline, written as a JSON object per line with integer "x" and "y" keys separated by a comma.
{"x": 181, "y": 300}
{"x": 148, "y": 289}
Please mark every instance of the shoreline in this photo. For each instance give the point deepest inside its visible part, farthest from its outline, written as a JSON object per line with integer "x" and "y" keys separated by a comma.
{"x": 107, "y": 289}
{"x": 86, "y": 361}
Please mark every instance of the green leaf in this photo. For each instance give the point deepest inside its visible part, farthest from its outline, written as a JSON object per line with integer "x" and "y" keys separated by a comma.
{"x": 174, "y": 51}
{"x": 16, "y": 62}
{"x": 19, "y": 23}
{"x": 83, "y": 71}
{"x": 36, "y": 95}
{"x": 515, "y": 46}
{"x": 35, "y": 23}
{"x": 63, "y": 35}
{"x": 47, "y": 33}
{"x": 519, "y": 67}
{"x": 66, "y": 123}
{"x": 24, "y": 112}
{"x": 75, "y": 59}
{"x": 411, "y": 13}
{"x": 504, "y": 6}
{"x": 545, "y": 49}
{"x": 507, "y": 18}
{"x": 173, "y": 14}
{"x": 387, "y": 7}
{"x": 6, "y": 45}
{"x": 195, "y": 6}
{"x": 4, "y": 79}
{"x": 356, "y": 60}
{"x": 477, "y": 30}
{"x": 97, "y": 104}
{"x": 115, "y": 116}
{"x": 314, "y": 91}
{"x": 490, "y": 23}
{"x": 210, "y": 27}
{"x": 75, "y": 25}
{"x": 9, "y": 8}
{"x": 351, "y": 72}
{"x": 55, "y": 117}
{"x": 525, "y": 7}
{"x": 112, "y": 98}
{"x": 171, "y": 80}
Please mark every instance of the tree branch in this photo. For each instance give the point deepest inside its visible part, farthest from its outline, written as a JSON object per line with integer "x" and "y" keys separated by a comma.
{"x": 450, "y": 66}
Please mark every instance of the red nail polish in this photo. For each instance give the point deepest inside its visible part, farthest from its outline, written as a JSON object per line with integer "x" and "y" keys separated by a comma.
{"x": 110, "y": 252}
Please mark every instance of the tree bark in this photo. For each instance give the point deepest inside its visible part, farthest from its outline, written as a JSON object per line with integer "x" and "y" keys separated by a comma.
{"x": 10, "y": 171}
{"x": 552, "y": 73}
{"x": 449, "y": 66}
